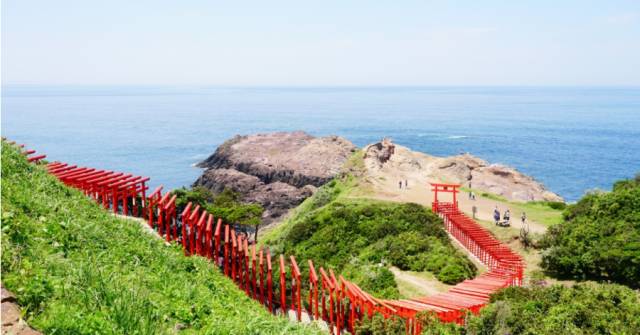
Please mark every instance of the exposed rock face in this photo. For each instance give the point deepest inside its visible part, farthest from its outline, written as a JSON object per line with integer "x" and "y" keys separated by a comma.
{"x": 12, "y": 322}
{"x": 461, "y": 169}
{"x": 277, "y": 170}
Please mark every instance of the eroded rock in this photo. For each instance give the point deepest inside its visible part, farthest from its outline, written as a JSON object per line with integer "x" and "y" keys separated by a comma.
{"x": 277, "y": 170}
{"x": 461, "y": 169}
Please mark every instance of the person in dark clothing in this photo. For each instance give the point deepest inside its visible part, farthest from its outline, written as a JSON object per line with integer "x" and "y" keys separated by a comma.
{"x": 400, "y": 184}
{"x": 496, "y": 215}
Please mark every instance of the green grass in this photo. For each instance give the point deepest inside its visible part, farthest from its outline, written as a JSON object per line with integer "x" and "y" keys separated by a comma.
{"x": 76, "y": 269}
{"x": 543, "y": 212}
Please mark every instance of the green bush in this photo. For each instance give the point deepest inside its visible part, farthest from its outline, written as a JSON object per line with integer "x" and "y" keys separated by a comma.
{"x": 355, "y": 236}
{"x": 559, "y": 205}
{"x": 378, "y": 325}
{"x": 586, "y": 308}
{"x": 77, "y": 269}
{"x": 599, "y": 238}
{"x": 431, "y": 325}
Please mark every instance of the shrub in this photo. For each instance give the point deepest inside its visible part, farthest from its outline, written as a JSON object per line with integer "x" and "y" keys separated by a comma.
{"x": 586, "y": 308}
{"x": 599, "y": 238}
{"x": 355, "y": 236}
{"x": 378, "y": 325}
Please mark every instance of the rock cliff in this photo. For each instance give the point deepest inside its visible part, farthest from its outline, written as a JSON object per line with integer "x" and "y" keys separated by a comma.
{"x": 277, "y": 170}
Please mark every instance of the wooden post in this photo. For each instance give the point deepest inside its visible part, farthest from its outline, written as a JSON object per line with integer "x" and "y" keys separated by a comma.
{"x": 198, "y": 233}
{"x": 208, "y": 248}
{"x": 216, "y": 242}
{"x": 261, "y": 264}
{"x": 185, "y": 220}
{"x": 226, "y": 250}
{"x": 269, "y": 282}
{"x": 234, "y": 248}
{"x": 283, "y": 286}
{"x": 253, "y": 271}
{"x": 247, "y": 273}
{"x": 297, "y": 301}
{"x": 313, "y": 291}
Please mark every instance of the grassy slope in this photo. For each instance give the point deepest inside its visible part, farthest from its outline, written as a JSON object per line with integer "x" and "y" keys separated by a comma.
{"x": 76, "y": 269}
{"x": 538, "y": 211}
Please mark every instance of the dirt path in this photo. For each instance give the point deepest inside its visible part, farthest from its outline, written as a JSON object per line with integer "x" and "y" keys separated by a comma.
{"x": 413, "y": 284}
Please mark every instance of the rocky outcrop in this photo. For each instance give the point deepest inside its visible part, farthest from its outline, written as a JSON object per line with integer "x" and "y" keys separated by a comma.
{"x": 277, "y": 170}
{"x": 494, "y": 178}
{"x": 461, "y": 169}
{"x": 12, "y": 322}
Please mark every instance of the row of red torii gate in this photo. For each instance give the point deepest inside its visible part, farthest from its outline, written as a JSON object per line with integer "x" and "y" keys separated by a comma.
{"x": 329, "y": 297}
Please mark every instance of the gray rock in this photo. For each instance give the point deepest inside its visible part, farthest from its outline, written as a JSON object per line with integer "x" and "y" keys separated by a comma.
{"x": 276, "y": 170}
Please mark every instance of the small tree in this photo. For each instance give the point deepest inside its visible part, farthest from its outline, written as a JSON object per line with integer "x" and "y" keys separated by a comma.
{"x": 227, "y": 206}
{"x": 197, "y": 195}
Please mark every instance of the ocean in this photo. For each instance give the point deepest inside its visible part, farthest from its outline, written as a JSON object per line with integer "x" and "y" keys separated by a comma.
{"x": 573, "y": 139}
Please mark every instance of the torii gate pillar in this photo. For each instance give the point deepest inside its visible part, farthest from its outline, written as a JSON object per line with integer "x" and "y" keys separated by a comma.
{"x": 446, "y": 188}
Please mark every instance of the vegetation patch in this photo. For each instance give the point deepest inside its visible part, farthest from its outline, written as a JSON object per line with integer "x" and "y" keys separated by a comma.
{"x": 599, "y": 238}
{"x": 360, "y": 238}
{"x": 586, "y": 308}
{"x": 76, "y": 269}
{"x": 547, "y": 213}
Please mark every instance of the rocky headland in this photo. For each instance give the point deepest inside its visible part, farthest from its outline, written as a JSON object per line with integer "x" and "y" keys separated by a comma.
{"x": 388, "y": 159}
{"x": 280, "y": 170}
{"x": 276, "y": 170}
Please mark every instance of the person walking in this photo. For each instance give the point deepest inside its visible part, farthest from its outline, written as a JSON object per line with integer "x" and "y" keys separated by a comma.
{"x": 400, "y": 184}
{"x": 523, "y": 218}
{"x": 496, "y": 215}
{"x": 406, "y": 184}
{"x": 474, "y": 210}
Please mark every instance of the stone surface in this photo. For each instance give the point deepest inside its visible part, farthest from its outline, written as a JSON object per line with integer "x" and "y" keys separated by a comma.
{"x": 460, "y": 169}
{"x": 12, "y": 322}
{"x": 277, "y": 170}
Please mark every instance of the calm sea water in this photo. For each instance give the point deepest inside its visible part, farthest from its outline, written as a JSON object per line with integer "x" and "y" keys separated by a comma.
{"x": 571, "y": 139}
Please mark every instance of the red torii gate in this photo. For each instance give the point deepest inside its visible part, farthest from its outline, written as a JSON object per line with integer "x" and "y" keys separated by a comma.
{"x": 444, "y": 188}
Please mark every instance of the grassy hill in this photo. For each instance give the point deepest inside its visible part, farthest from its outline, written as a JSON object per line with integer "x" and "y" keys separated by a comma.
{"x": 599, "y": 238}
{"x": 76, "y": 269}
{"x": 360, "y": 238}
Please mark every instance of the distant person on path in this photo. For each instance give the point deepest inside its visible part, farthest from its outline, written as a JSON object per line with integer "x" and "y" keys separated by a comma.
{"x": 406, "y": 184}
{"x": 473, "y": 195}
{"x": 474, "y": 210}
{"x": 496, "y": 215}
{"x": 400, "y": 184}
{"x": 523, "y": 217}
{"x": 507, "y": 216}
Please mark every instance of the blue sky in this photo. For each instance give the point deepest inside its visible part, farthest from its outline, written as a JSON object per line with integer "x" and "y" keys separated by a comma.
{"x": 321, "y": 42}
